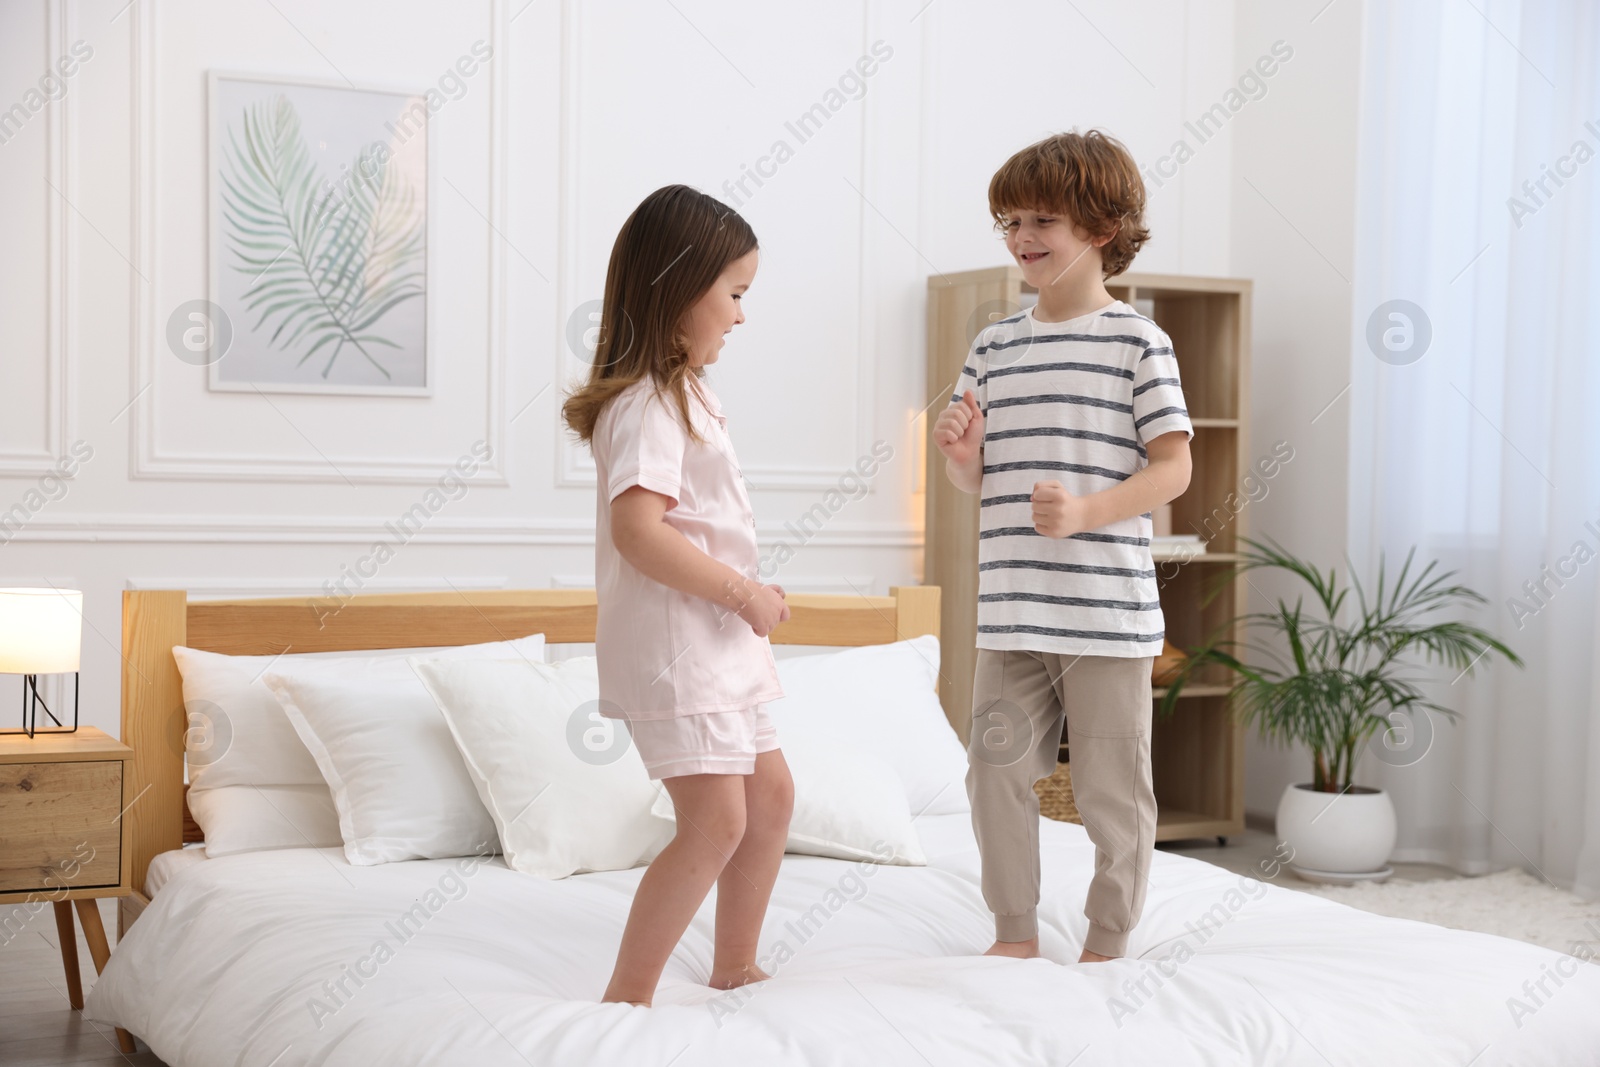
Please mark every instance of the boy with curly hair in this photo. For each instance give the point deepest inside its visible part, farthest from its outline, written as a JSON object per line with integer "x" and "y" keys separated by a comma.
{"x": 1069, "y": 421}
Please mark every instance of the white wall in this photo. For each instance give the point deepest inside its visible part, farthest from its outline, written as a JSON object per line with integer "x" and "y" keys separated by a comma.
{"x": 1293, "y": 196}
{"x": 583, "y": 109}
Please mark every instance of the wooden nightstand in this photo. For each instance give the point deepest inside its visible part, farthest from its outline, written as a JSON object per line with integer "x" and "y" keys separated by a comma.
{"x": 61, "y": 807}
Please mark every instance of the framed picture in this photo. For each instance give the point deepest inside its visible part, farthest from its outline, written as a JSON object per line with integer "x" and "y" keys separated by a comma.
{"x": 318, "y": 242}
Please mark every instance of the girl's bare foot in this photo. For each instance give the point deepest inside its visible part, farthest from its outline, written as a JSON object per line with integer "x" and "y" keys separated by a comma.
{"x": 614, "y": 997}
{"x": 733, "y": 978}
{"x": 1020, "y": 950}
{"x": 1093, "y": 957}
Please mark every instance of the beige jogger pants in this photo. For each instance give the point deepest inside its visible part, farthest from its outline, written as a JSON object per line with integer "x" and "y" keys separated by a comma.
{"x": 1019, "y": 701}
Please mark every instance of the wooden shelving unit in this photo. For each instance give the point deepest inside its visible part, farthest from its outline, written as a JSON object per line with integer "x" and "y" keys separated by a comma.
{"x": 1197, "y": 754}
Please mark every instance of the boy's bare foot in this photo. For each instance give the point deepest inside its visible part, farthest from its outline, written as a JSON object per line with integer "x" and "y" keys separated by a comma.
{"x": 1093, "y": 957}
{"x": 610, "y": 998}
{"x": 733, "y": 978}
{"x": 1019, "y": 950}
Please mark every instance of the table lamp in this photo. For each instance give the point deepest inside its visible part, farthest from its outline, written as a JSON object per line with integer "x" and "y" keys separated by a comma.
{"x": 41, "y": 632}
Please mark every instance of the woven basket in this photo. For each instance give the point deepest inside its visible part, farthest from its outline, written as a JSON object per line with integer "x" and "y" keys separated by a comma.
{"x": 1055, "y": 796}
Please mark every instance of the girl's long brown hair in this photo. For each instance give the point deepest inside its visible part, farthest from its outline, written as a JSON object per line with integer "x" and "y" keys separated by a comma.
{"x": 674, "y": 245}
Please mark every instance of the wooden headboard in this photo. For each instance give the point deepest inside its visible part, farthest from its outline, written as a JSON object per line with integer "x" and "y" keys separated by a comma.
{"x": 153, "y": 621}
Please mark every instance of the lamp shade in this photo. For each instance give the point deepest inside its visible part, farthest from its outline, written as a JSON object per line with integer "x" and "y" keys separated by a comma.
{"x": 41, "y": 630}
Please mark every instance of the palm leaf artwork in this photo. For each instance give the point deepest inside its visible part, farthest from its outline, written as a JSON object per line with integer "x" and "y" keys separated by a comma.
{"x": 1347, "y": 671}
{"x": 326, "y": 263}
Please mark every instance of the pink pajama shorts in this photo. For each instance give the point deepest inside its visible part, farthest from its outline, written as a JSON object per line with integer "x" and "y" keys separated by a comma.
{"x": 712, "y": 742}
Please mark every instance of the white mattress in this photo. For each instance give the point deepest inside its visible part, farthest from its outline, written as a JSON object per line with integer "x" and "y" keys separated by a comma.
{"x": 166, "y": 864}
{"x": 228, "y": 963}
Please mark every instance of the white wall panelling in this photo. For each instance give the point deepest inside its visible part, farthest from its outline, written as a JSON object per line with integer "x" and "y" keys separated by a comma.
{"x": 162, "y": 153}
{"x": 585, "y": 107}
{"x": 298, "y": 529}
{"x": 583, "y": 252}
{"x": 208, "y": 588}
{"x": 846, "y": 584}
{"x": 53, "y": 408}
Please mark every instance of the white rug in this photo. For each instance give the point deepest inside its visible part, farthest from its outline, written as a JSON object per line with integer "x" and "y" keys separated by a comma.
{"x": 1510, "y": 903}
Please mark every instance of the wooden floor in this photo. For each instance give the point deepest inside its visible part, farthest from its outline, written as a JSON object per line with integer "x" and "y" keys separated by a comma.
{"x": 38, "y": 1027}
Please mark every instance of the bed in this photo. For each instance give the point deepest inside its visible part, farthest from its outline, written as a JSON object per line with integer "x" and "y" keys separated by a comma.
{"x": 238, "y": 959}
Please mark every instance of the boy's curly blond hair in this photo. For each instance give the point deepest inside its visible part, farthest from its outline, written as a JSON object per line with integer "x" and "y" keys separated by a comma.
{"x": 1089, "y": 178}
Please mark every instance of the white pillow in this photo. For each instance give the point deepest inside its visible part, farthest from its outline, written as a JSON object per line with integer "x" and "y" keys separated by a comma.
{"x": 399, "y": 786}
{"x": 565, "y": 787}
{"x": 848, "y": 805}
{"x": 251, "y": 818}
{"x": 237, "y": 734}
{"x": 881, "y": 700}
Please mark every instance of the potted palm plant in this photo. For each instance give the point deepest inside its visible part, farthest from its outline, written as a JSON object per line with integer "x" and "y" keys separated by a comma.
{"x": 1332, "y": 678}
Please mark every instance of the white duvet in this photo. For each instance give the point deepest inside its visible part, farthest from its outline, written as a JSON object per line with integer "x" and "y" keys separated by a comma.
{"x": 274, "y": 958}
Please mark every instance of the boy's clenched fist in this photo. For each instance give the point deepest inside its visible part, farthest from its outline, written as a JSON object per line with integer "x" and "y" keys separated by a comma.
{"x": 959, "y": 430}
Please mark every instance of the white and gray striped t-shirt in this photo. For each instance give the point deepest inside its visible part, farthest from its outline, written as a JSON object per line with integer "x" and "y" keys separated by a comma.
{"x": 1074, "y": 402}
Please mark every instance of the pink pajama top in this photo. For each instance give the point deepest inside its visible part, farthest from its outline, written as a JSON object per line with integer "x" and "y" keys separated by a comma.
{"x": 662, "y": 653}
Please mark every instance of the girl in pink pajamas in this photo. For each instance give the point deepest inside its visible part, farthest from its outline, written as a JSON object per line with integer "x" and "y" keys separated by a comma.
{"x": 682, "y": 633}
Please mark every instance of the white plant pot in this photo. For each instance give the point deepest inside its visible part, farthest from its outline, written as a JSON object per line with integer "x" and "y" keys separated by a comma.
{"x": 1349, "y": 833}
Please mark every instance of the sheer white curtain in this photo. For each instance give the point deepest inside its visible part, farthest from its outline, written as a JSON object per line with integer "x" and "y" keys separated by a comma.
{"x": 1479, "y": 202}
